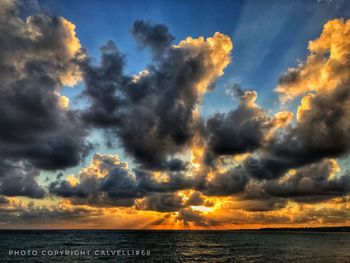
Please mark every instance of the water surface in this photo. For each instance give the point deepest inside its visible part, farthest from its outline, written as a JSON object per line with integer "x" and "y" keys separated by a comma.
{"x": 177, "y": 246}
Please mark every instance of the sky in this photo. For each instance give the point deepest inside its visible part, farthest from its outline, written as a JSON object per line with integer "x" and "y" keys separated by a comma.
{"x": 174, "y": 114}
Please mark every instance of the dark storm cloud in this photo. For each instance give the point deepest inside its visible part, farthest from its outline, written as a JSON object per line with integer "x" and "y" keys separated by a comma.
{"x": 169, "y": 202}
{"x": 136, "y": 112}
{"x": 104, "y": 181}
{"x": 4, "y": 200}
{"x": 18, "y": 213}
{"x": 322, "y": 127}
{"x": 107, "y": 181}
{"x": 189, "y": 215}
{"x": 239, "y": 131}
{"x": 101, "y": 85}
{"x": 195, "y": 198}
{"x": 255, "y": 198}
{"x": 156, "y": 37}
{"x": 102, "y": 200}
{"x": 321, "y": 132}
{"x": 37, "y": 129}
{"x": 151, "y": 114}
{"x": 175, "y": 181}
{"x": 266, "y": 167}
{"x": 315, "y": 182}
{"x": 260, "y": 205}
{"x": 324, "y": 215}
{"x": 36, "y": 60}
{"x": 90, "y": 185}
{"x": 227, "y": 183}
{"x": 19, "y": 179}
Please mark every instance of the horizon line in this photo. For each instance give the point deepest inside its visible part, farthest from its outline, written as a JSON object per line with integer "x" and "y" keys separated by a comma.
{"x": 145, "y": 229}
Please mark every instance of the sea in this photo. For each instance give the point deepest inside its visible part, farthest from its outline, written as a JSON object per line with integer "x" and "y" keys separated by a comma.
{"x": 173, "y": 246}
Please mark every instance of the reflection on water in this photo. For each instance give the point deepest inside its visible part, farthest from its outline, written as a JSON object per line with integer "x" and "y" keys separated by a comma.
{"x": 180, "y": 246}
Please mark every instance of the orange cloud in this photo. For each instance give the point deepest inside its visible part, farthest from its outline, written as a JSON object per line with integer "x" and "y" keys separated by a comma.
{"x": 217, "y": 49}
{"x": 325, "y": 68}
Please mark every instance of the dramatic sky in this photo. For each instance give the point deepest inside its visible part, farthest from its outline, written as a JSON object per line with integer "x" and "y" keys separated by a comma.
{"x": 174, "y": 114}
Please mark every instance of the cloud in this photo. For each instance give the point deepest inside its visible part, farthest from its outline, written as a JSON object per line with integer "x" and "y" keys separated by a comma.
{"x": 325, "y": 67}
{"x": 239, "y": 131}
{"x": 322, "y": 126}
{"x": 294, "y": 161}
{"x": 153, "y": 115}
{"x": 36, "y": 61}
{"x": 19, "y": 179}
{"x": 325, "y": 215}
{"x": 189, "y": 215}
{"x": 16, "y": 213}
{"x": 4, "y": 200}
{"x": 168, "y": 202}
{"x": 106, "y": 181}
{"x": 256, "y": 198}
{"x": 312, "y": 183}
{"x": 256, "y": 166}
{"x": 157, "y": 36}
{"x": 226, "y": 183}
{"x": 195, "y": 199}
{"x": 246, "y": 163}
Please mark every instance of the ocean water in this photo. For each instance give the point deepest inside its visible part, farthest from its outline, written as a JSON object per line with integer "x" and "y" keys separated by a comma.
{"x": 174, "y": 246}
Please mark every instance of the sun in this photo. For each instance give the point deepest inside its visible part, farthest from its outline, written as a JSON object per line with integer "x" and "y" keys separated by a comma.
{"x": 202, "y": 208}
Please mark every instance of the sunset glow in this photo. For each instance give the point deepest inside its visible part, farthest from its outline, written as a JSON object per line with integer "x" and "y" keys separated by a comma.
{"x": 220, "y": 123}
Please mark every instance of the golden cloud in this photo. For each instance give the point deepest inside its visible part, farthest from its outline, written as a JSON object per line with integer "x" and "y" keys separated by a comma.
{"x": 325, "y": 68}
